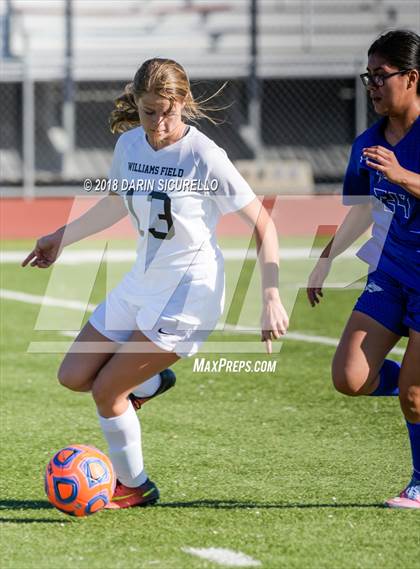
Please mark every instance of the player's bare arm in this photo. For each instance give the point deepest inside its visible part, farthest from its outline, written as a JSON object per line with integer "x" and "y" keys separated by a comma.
{"x": 357, "y": 221}
{"x": 274, "y": 318}
{"x": 102, "y": 215}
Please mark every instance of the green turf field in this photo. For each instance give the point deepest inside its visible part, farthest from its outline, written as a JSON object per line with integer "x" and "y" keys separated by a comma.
{"x": 276, "y": 465}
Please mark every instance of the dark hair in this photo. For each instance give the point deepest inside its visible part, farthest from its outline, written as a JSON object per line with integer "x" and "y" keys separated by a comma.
{"x": 400, "y": 48}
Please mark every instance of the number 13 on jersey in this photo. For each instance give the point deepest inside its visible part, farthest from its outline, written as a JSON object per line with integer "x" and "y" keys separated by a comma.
{"x": 161, "y": 224}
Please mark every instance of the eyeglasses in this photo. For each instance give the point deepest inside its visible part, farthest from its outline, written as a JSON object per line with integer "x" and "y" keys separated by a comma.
{"x": 378, "y": 80}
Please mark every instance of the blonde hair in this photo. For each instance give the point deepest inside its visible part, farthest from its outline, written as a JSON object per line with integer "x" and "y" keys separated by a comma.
{"x": 165, "y": 78}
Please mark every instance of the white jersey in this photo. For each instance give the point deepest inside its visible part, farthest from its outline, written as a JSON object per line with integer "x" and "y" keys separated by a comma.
{"x": 175, "y": 197}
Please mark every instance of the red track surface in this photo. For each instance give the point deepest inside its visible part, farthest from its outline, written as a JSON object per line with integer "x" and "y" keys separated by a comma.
{"x": 293, "y": 216}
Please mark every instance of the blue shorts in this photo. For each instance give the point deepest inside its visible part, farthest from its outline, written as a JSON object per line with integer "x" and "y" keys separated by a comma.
{"x": 391, "y": 303}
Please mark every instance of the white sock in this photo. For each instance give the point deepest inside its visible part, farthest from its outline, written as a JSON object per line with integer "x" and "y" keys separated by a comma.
{"x": 123, "y": 435}
{"x": 148, "y": 387}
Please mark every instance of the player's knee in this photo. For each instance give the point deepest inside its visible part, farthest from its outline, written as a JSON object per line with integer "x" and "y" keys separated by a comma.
{"x": 348, "y": 380}
{"x": 342, "y": 385}
{"x": 72, "y": 379}
{"x": 65, "y": 376}
{"x": 410, "y": 403}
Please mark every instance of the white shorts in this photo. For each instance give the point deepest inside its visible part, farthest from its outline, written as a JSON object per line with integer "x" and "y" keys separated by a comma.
{"x": 173, "y": 328}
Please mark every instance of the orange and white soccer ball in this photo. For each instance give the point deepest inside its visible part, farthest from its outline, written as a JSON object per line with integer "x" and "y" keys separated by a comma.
{"x": 79, "y": 480}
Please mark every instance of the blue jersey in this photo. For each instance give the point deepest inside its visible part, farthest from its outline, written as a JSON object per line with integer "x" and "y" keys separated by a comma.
{"x": 395, "y": 243}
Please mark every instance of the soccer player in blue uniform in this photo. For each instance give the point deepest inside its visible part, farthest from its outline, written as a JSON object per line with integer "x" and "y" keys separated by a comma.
{"x": 382, "y": 184}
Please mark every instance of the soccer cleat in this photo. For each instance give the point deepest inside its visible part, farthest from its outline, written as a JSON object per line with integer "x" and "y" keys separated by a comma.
{"x": 167, "y": 380}
{"x": 408, "y": 499}
{"x": 126, "y": 497}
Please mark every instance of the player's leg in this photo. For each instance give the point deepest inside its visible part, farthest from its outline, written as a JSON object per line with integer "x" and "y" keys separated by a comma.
{"x": 410, "y": 380}
{"x": 109, "y": 326}
{"x": 81, "y": 364}
{"x": 376, "y": 324}
{"x": 410, "y": 405}
{"x": 126, "y": 370}
{"x": 80, "y": 367}
{"x": 359, "y": 366}
{"x": 118, "y": 377}
{"x": 170, "y": 338}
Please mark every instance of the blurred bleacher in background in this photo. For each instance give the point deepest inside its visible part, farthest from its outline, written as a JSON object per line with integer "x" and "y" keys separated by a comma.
{"x": 296, "y": 95}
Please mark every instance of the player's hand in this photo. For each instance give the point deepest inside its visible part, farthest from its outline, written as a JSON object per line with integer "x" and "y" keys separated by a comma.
{"x": 383, "y": 160}
{"x": 274, "y": 322}
{"x": 45, "y": 252}
{"x": 316, "y": 280}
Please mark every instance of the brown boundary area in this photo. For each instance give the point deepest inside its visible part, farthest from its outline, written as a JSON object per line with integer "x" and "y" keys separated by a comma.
{"x": 293, "y": 216}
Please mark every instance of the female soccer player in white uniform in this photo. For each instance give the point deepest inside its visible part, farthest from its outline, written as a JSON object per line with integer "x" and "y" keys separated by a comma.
{"x": 175, "y": 183}
{"x": 385, "y": 164}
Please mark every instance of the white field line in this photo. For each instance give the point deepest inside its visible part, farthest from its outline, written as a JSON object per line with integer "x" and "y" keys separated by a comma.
{"x": 127, "y": 255}
{"x": 45, "y": 300}
{"x": 241, "y": 329}
{"x": 334, "y": 284}
{"x": 297, "y": 336}
{"x": 225, "y": 557}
